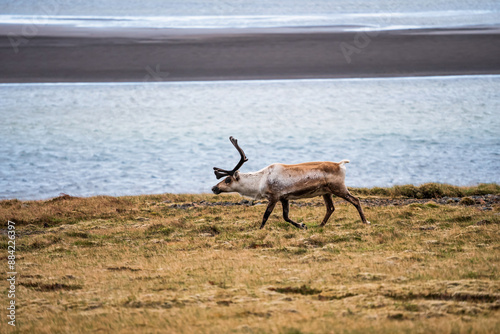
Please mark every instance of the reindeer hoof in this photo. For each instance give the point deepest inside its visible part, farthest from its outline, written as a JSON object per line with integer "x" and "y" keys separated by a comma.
{"x": 368, "y": 223}
{"x": 303, "y": 226}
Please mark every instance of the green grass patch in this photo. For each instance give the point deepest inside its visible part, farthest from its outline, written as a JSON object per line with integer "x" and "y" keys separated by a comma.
{"x": 430, "y": 190}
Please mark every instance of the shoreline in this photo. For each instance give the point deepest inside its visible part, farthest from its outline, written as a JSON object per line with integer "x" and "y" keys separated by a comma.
{"x": 72, "y": 54}
{"x": 442, "y": 193}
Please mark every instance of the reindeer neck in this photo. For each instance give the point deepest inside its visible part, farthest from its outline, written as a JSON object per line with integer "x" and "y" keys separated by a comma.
{"x": 250, "y": 184}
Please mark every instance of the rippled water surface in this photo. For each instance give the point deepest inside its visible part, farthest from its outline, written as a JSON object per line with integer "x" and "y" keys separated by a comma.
{"x": 256, "y": 13}
{"x": 118, "y": 139}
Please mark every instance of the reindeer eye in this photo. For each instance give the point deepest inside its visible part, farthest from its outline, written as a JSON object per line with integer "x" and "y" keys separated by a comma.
{"x": 227, "y": 180}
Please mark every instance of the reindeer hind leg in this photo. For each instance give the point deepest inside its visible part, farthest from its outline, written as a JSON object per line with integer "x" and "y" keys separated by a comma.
{"x": 330, "y": 208}
{"x": 345, "y": 194}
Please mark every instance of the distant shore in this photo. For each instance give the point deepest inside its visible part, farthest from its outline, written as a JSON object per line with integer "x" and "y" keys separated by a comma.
{"x": 71, "y": 54}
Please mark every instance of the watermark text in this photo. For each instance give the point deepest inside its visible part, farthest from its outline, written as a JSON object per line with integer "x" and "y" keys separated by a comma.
{"x": 11, "y": 273}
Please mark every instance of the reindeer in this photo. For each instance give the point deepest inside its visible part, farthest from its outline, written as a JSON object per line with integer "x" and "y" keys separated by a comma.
{"x": 280, "y": 182}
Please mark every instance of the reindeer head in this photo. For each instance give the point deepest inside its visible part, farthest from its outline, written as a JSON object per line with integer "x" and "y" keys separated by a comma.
{"x": 229, "y": 184}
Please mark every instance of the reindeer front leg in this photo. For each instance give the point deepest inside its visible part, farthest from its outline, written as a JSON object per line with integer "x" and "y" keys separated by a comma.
{"x": 286, "y": 207}
{"x": 269, "y": 210}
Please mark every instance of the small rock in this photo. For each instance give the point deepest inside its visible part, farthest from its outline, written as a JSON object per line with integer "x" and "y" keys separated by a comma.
{"x": 224, "y": 302}
{"x": 400, "y": 279}
{"x": 467, "y": 201}
{"x": 396, "y": 316}
{"x": 483, "y": 222}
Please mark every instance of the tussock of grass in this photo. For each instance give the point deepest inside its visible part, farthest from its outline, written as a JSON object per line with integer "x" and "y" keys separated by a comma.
{"x": 76, "y": 234}
{"x": 50, "y": 287}
{"x": 178, "y": 264}
{"x": 430, "y": 190}
{"x": 302, "y": 290}
{"x": 122, "y": 268}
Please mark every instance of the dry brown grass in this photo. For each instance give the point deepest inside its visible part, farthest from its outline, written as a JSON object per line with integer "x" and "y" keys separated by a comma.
{"x": 144, "y": 264}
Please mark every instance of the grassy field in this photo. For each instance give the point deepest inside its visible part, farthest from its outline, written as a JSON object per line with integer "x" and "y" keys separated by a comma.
{"x": 198, "y": 264}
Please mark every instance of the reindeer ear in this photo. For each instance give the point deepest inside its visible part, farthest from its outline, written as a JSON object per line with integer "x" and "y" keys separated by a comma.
{"x": 236, "y": 175}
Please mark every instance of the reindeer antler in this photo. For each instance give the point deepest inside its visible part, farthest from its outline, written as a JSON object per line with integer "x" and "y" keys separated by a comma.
{"x": 219, "y": 172}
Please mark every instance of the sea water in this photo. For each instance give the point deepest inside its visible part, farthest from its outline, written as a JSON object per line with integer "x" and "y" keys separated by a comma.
{"x": 142, "y": 138}
{"x": 379, "y": 14}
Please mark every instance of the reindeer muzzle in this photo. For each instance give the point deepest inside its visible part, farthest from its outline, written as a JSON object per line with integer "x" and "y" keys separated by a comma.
{"x": 216, "y": 190}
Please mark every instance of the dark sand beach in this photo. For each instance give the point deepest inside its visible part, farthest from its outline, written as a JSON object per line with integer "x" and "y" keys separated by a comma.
{"x": 70, "y": 54}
